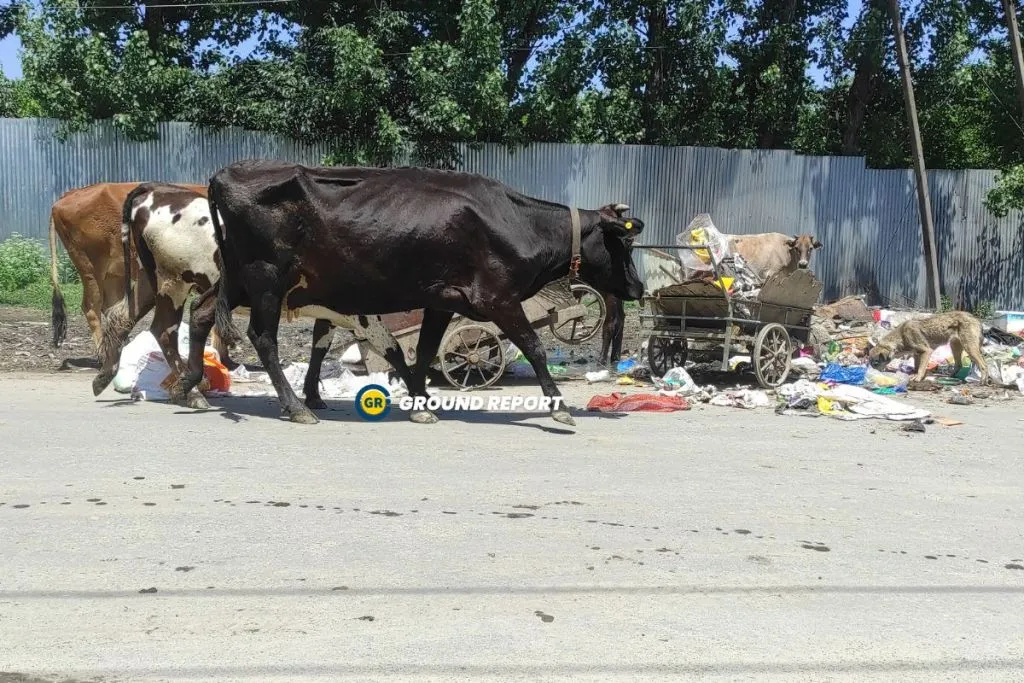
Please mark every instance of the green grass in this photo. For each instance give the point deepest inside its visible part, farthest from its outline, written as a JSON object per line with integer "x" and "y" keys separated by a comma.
{"x": 39, "y": 295}
{"x": 25, "y": 275}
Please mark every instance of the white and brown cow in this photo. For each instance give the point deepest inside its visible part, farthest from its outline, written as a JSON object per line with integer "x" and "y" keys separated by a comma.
{"x": 769, "y": 253}
{"x": 176, "y": 252}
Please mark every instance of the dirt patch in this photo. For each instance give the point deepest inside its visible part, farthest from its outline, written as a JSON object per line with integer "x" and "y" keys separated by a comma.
{"x": 25, "y": 341}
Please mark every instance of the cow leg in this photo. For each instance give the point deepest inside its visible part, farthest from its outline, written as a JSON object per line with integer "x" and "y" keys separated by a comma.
{"x": 264, "y": 320}
{"x": 517, "y": 328}
{"x": 323, "y": 335}
{"x": 611, "y": 331}
{"x": 115, "y": 327}
{"x": 432, "y": 329}
{"x": 170, "y": 304}
{"x": 200, "y": 323}
{"x": 372, "y": 329}
{"x": 92, "y": 305}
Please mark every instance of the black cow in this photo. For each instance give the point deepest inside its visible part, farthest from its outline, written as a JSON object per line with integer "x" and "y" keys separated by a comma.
{"x": 335, "y": 242}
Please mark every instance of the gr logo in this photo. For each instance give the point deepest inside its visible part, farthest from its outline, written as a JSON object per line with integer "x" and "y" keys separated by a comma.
{"x": 373, "y": 402}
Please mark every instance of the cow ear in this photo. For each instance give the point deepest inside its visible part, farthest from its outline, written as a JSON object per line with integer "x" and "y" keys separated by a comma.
{"x": 791, "y": 242}
{"x": 816, "y": 244}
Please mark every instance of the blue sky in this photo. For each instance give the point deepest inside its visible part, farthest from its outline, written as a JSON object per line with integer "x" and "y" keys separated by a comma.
{"x": 11, "y": 63}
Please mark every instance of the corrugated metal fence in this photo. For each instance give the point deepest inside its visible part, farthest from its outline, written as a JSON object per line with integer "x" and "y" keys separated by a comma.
{"x": 866, "y": 219}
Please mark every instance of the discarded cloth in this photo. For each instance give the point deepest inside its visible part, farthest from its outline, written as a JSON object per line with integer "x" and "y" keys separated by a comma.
{"x": 856, "y": 403}
{"x": 806, "y": 366}
{"x": 742, "y": 398}
{"x": 626, "y": 403}
{"x": 843, "y": 402}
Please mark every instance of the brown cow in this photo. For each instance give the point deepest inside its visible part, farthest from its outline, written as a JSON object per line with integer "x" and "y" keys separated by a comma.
{"x": 769, "y": 253}
{"x": 88, "y": 222}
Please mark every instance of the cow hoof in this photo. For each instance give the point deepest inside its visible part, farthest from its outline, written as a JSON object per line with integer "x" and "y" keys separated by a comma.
{"x": 304, "y": 417}
{"x": 563, "y": 417}
{"x": 316, "y": 403}
{"x": 100, "y": 382}
{"x": 423, "y": 417}
{"x": 197, "y": 402}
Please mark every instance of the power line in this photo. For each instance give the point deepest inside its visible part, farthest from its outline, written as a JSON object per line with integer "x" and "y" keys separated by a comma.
{"x": 192, "y": 4}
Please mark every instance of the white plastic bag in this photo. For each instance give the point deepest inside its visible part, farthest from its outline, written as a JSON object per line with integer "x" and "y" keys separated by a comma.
{"x": 679, "y": 381}
{"x": 701, "y": 231}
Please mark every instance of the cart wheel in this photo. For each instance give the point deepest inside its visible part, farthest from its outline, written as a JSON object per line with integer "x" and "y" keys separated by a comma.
{"x": 665, "y": 353}
{"x": 772, "y": 355}
{"x": 579, "y": 330}
{"x": 472, "y": 357}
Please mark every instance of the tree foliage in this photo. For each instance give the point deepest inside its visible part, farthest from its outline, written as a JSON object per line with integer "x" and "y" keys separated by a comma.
{"x": 387, "y": 82}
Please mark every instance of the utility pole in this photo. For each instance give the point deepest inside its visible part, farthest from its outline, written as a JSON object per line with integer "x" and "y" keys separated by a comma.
{"x": 1018, "y": 58}
{"x": 924, "y": 204}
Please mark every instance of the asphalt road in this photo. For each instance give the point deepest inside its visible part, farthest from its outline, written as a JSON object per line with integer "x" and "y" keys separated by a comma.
{"x": 141, "y": 543}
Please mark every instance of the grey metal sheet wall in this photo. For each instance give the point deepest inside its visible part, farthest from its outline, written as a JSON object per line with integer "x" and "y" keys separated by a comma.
{"x": 866, "y": 219}
{"x": 35, "y": 168}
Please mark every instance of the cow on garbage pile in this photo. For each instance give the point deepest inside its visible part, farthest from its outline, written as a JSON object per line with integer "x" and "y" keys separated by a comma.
{"x": 769, "y": 253}
{"x": 334, "y": 242}
{"x": 87, "y": 220}
{"x": 171, "y": 231}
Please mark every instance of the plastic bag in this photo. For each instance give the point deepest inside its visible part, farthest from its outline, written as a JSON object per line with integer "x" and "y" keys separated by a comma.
{"x": 701, "y": 231}
{"x": 679, "y": 380}
{"x": 840, "y": 375}
{"x": 873, "y": 379}
{"x": 625, "y": 366}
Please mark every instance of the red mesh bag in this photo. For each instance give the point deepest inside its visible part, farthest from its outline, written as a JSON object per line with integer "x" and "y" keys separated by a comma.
{"x": 627, "y": 403}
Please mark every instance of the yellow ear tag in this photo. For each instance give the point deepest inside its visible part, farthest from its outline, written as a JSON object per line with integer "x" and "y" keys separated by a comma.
{"x": 629, "y": 225}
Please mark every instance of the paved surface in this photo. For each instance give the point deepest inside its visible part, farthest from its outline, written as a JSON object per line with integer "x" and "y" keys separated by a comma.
{"x": 140, "y": 543}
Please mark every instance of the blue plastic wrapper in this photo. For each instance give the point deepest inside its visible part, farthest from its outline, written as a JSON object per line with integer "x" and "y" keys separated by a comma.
{"x": 625, "y": 365}
{"x": 834, "y": 372}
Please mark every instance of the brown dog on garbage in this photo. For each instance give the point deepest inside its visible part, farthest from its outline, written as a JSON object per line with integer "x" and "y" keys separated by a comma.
{"x": 923, "y": 335}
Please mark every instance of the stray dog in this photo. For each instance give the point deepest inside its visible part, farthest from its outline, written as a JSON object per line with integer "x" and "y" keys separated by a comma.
{"x": 921, "y": 336}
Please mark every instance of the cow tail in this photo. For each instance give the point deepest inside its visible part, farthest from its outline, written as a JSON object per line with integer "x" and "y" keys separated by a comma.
{"x": 222, "y": 310}
{"x": 59, "y": 315}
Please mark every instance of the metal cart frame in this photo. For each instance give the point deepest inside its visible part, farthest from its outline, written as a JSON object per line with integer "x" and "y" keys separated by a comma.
{"x": 767, "y": 330}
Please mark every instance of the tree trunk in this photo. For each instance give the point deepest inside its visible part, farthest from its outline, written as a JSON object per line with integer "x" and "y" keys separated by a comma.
{"x": 866, "y": 77}
{"x": 654, "y": 87}
{"x": 520, "y": 54}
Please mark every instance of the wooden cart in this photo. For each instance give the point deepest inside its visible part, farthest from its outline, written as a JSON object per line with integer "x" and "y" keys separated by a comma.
{"x": 472, "y": 354}
{"x": 700, "y": 321}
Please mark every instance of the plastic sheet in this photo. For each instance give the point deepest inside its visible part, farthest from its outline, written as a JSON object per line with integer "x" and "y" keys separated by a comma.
{"x": 834, "y": 372}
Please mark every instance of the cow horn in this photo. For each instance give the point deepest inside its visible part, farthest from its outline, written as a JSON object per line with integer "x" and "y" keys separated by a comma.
{"x": 621, "y": 208}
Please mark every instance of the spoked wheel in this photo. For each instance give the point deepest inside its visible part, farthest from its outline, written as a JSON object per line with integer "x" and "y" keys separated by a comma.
{"x": 579, "y": 330}
{"x": 773, "y": 351}
{"x": 472, "y": 357}
{"x": 665, "y": 353}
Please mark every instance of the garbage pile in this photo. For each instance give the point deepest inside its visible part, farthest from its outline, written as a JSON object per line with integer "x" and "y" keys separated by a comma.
{"x": 832, "y": 377}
